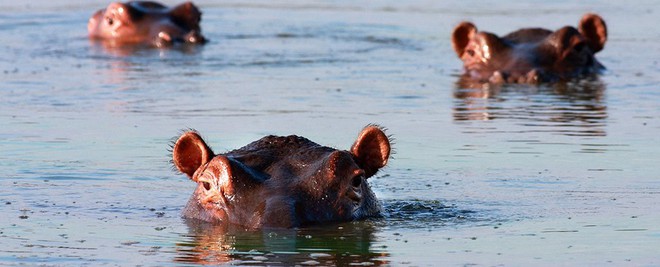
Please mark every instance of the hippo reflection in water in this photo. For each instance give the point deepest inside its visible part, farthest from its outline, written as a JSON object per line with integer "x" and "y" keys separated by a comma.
{"x": 531, "y": 55}
{"x": 224, "y": 245}
{"x": 146, "y": 22}
{"x": 282, "y": 181}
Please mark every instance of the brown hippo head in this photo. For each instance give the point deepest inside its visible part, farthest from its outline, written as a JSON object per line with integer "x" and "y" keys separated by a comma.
{"x": 531, "y": 55}
{"x": 282, "y": 181}
{"x": 145, "y": 22}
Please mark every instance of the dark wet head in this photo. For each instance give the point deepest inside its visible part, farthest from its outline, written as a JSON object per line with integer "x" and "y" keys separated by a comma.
{"x": 282, "y": 181}
{"x": 531, "y": 55}
{"x": 146, "y": 22}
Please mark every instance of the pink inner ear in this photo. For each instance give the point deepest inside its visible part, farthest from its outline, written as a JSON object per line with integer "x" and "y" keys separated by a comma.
{"x": 594, "y": 29}
{"x": 190, "y": 152}
{"x": 372, "y": 150}
{"x": 461, "y": 37}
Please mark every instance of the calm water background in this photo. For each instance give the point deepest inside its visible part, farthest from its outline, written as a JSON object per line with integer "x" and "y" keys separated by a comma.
{"x": 517, "y": 175}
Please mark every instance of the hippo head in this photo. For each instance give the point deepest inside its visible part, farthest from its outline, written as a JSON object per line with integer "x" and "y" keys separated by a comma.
{"x": 282, "y": 181}
{"x": 145, "y": 22}
{"x": 531, "y": 55}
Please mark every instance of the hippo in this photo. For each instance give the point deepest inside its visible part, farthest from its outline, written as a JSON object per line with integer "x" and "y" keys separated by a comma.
{"x": 146, "y": 22}
{"x": 531, "y": 55}
{"x": 282, "y": 181}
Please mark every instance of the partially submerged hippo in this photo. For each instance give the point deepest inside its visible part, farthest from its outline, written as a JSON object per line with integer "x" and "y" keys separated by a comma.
{"x": 531, "y": 55}
{"x": 282, "y": 181}
{"x": 146, "y": 22}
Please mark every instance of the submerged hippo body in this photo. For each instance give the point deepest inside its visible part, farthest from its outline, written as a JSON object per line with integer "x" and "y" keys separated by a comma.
{"x": 282, "y": 181}
{"x": 146, "y": 22}
{"x": 531, "y": 55}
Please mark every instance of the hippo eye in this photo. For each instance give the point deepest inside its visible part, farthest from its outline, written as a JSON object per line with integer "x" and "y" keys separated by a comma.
{"x": 356, "y": 181}
{"x": 206, "y": 185}
{"x": 470, "y": 52}
{"x": 109, "y": 20}
{"x": 579, "y": 47}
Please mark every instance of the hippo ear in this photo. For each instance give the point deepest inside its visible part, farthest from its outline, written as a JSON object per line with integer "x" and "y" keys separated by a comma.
{"x": 188, "y": 15}
{"x": 593, "y": 28}
{"x": 461, "y": 37}
{"x": 190, "y": 152}
{"x": 371, "y": 149}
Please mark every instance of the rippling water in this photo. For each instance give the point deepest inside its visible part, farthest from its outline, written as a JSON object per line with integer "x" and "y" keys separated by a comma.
{"x": 558, "y": 174}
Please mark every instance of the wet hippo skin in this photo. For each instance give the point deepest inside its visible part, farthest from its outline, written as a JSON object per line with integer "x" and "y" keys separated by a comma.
{"x": 531, "y": 55}
{"x": 282, "y": 181}
{"x": 146, "y": 22}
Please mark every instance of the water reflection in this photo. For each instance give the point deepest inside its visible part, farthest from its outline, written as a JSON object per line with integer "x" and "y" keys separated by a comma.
{"x": 136, "y": 64}
{"x": 123, "y": 50}
{"x": 568, "y": 108}
{"x": 337, "y": 245}
{"x": 343, "y": 244}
